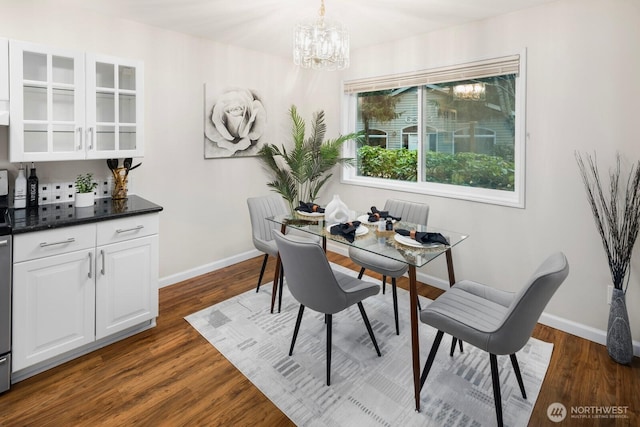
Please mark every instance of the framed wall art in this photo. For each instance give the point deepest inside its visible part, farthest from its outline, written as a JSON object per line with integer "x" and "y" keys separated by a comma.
{"x": 235, "y": 122}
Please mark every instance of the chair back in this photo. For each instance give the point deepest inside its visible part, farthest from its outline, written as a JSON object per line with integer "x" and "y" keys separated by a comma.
{"x": 259, "y": 209}
{"x": 417, "y": 213}
{"x": 309, "y": 275}
{"x": 528, "y": 305}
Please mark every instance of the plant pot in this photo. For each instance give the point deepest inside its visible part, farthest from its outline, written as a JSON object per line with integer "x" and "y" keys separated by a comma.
{"x": 619, "y": 342}
{"x": 84, "y": 200}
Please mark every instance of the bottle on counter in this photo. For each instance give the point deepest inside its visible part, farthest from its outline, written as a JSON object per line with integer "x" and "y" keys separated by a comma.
{"x": 32, "y": 188}
{"x": 20, "y": 190}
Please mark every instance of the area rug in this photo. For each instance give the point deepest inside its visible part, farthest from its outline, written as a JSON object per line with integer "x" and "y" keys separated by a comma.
{"x": 366, "y": 390}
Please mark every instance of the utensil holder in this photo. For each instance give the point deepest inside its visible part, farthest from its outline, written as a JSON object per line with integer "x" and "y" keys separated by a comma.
{"x": 119, "y": 183}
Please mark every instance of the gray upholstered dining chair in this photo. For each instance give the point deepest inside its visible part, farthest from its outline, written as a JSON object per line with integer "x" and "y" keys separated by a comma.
{"x": 314, "y": 284}
{"x": 260, "y": 208}
{"x": 495, "y": 321}
{"x": 417, "y": 213}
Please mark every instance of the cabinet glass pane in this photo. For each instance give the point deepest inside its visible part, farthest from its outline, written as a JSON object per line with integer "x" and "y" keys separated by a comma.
{"x": 63, "y": 105}
{"x": 127, "y": 108}
{"x": 34, "y": 66}
{"x": 62, "y": 71}
{"x": 35, "y": 103}
{"x": 127, "y": 77}
{"x": 105, "y": 138}
{"x": 105, "y": 75}
{"x": 127, "y": 137}
{"x": 35, "y": 138}
{"x": 63, "y": 138}
{"x": 105, "y": 107}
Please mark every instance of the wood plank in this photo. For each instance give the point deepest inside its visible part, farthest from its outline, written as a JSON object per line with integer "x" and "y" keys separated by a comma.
{"x": 170, "y": 375}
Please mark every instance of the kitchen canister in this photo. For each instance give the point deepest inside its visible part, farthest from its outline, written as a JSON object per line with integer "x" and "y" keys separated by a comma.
{"x": 336, "y": 211}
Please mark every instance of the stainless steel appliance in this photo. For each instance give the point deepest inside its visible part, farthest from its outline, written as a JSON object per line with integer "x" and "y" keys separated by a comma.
{"x": 5, "y": 296}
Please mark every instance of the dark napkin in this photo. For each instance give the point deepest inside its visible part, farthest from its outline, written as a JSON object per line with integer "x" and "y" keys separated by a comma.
{"x": 424, "y": 237}
{"x": 346, "y": 230}
{"x": 309, "y": 207}
{"x": 376, "y": 215}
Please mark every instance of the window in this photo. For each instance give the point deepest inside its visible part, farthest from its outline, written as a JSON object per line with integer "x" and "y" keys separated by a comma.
{"x": 455, "y": 132}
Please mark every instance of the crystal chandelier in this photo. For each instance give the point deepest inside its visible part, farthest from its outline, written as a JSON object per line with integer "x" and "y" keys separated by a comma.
{"x": 321, "y": 44}
{"x": 470, "y": 92}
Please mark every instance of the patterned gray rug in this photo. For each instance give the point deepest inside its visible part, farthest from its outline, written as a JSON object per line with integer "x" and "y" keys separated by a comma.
{"x": 365, "y": 389}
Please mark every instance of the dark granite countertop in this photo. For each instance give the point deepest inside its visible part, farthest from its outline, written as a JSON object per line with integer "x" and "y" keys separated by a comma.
{"x": 66, "y": 214}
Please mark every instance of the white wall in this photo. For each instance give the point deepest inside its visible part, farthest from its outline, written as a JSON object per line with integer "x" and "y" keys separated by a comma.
{"x": 583, "y": 61}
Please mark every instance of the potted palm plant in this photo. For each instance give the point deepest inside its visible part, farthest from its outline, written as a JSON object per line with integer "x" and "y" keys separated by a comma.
{"x": 299, "y": 173}
{"x": 84, "y": 190}
{"x": 616, "y": 211}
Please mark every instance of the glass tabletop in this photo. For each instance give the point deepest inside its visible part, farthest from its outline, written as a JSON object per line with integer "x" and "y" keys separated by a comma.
{"x": 386, "y": 243}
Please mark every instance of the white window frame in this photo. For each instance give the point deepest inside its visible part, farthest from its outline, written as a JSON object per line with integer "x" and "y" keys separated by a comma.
{"x": 514, "y": 198}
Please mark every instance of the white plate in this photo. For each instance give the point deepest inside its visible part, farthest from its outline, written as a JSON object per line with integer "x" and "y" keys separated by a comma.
{"x": 406, "y": 240}
{"x": 365, "y": 220}
{"x": 359, "y": 231}
{"x": 310, "y": 213}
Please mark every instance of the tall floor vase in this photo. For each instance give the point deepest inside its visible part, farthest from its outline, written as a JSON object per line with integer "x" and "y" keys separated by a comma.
{"x": 619, "y": 341}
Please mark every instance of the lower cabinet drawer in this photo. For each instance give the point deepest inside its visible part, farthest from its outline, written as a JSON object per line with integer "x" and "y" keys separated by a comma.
{"x": 56, "y": 241}
{"x": 131, "y": 227}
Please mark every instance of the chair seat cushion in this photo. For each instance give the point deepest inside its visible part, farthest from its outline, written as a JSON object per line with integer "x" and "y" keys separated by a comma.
{"x": 355, "y": 289}
{"x": 466, "y": 316}
{"x": 378, "y": 263}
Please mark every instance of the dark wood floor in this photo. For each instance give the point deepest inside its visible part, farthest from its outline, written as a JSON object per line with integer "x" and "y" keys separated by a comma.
{"x": 171, "y": 376}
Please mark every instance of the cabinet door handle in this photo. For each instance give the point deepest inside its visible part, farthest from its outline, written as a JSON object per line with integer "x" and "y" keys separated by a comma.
{"x": 4, "y": 243}
{"x": 62, "y": 242}
{"x": 102, "y": 255}
{"x": 90, "y": 138}
{"x": 4, "y": 360}
{"x": 90, "y": 264}
{"x": 80, "y": 135}
{"x": 124, "y": 230}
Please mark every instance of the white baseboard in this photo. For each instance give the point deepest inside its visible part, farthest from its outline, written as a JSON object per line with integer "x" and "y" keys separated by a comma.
{"x": 565, "y": 325}
{"x": 207, "y": 268}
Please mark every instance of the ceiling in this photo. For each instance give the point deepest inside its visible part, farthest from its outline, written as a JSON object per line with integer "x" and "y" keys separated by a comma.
{"x": 267, "y": 25}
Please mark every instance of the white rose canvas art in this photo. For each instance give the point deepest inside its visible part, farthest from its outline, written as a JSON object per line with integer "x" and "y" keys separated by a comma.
{"x": 235, "y": 122}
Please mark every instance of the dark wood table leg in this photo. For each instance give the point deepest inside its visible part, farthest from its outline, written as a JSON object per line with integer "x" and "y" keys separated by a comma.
{"x": 452, "y": 276}
{"x": 276, "y": 276}
{"x": 415, "y": 340}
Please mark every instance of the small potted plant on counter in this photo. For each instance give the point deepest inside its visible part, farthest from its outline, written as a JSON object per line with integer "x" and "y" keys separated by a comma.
{"x": 84, "y": 190}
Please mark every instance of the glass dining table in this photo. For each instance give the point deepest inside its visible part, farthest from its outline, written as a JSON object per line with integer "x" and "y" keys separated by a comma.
{"x": 385, "y": 243}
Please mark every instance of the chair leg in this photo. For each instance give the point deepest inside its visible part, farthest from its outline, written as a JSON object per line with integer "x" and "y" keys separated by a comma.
{"x": 516, "y": 368}
{"x": 430, "y": 358}
{"x": 495, "y": 378}
{"x": 296, "y": 329}
{"x": 329, "y": 321}
{"x": 455, "y": 341}
{"x": 361, "y": 273}
{"x": 384, "y": 284}
{"x": 264, "y": 265}
{"x": 368, "y": 325}
{"x": 281, "y": 280}
{"x": 394, "y": 290}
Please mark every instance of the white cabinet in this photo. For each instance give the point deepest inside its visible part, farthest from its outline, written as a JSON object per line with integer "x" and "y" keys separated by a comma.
{"x": 4, "y": 82}
{"x": 68, "y": 105}
{"x": 76, "y": 285}
{"x": 127, "y": 274}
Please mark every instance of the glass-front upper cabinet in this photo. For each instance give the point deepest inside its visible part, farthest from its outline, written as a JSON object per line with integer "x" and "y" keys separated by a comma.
{"x": 115, "y": 107}
{"x": 47, "y": 103}
{"x": 68, "y": 105}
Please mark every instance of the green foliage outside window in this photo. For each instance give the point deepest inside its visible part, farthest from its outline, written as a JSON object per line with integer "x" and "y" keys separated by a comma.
{"x": 466, "y": 169}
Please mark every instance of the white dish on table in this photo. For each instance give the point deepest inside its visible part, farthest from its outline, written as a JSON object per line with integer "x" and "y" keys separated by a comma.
{"x": 311, "y": 214}
{"x": 365, "y": 220}
{"x": 406, "y": 240}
